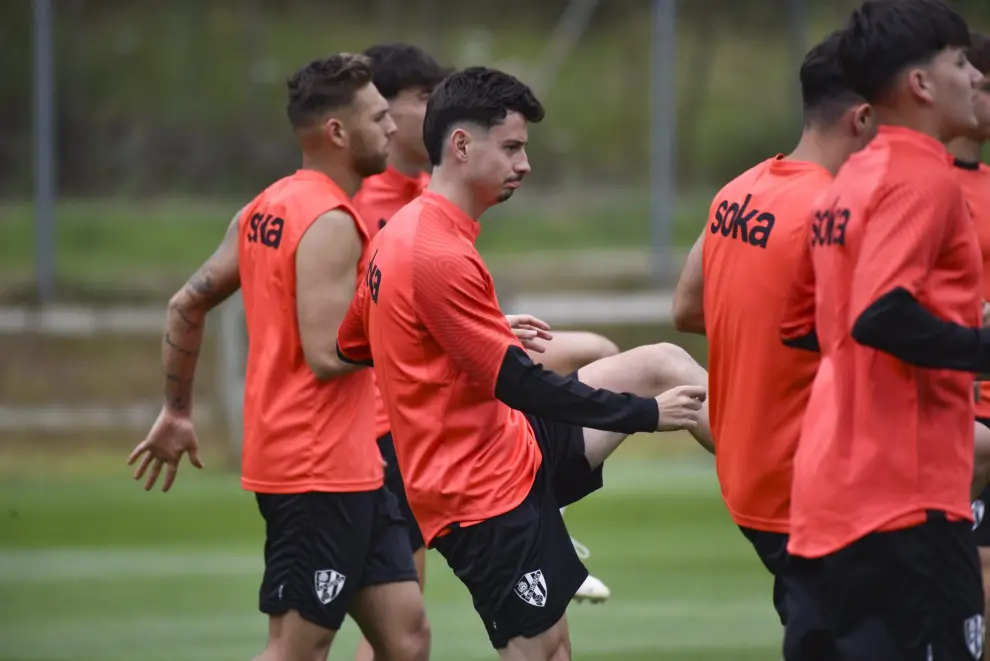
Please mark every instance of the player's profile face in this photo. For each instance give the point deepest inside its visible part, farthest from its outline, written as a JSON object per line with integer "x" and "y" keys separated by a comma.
{"x": 499, "y": 162}
{"x": 952, "y": 89}
{"x": 408, "y": 109}
{"x": 370, "y": 129}
{"x": 982, "y": 109}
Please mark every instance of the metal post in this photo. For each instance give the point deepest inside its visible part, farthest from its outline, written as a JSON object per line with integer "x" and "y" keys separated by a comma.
{"x": 663, "y": 128}
{"x": 564, "y": 39}
{"x": 44, "y": 149}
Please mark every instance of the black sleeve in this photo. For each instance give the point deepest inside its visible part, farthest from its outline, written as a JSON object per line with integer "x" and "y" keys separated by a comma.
{"x": 353, "y": 361}
{"x": 807, "y": 342}
{"x": 529, "y": 388}
{"x": 897, "y": 324}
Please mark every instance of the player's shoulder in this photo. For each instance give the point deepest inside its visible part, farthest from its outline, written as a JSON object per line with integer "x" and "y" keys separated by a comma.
{"x": 919, "y": 176}
{"x": 307, "y": 193}
{"x": 743, "y": 181}
{"x": 977, "y": 175}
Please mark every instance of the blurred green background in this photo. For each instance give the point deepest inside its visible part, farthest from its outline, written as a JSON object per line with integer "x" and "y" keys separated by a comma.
{"x": 169, "y": 116}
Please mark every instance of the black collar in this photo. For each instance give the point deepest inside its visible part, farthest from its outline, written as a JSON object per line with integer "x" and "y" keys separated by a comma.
{"x": 966, "y": 165}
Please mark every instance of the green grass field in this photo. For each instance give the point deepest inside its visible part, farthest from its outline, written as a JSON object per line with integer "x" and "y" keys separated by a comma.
{"x": 120, "y": 245}
{"x": 92, "y": 568}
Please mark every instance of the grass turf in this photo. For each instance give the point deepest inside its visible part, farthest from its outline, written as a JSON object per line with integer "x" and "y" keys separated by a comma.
{"x": 118, "y": 243}
{"x": 92, "y": 568}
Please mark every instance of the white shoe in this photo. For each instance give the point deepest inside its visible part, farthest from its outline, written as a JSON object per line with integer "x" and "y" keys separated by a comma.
{"x": 592, "y": 590}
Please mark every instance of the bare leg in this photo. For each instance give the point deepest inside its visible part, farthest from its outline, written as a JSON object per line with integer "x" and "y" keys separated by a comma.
{"x": 566, "y": 353}
{"x": 569, "y": 351}
{"x": 985, "y": 564}
{"x": 291, "y": 638}
{"x": 981, "y": 475}
{"x": 364, "y": 650}
{"x": 393, "y": 620}
{"x": 646, "y": 371}
{"x": 981, "y": 463}
{"x": 554, "y": 644}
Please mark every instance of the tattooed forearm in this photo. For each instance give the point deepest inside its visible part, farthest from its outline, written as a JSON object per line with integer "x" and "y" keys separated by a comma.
{"x": 213, "y": 283}
{"x": 180, "y": 349}
{"x": 190, "y": 323}
{"x": 176, "y": 385}
{"x": 185, "y": 352}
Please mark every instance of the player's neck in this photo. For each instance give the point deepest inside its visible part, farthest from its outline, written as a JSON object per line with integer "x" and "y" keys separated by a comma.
{"x": 922, "y": 122}
{"x": 965, "y": 149}
{"x": 821, "y": 149}
{"x": 341, "y": 174}
{"x": 410, "y": 167}
{"x": 457, "y": 193}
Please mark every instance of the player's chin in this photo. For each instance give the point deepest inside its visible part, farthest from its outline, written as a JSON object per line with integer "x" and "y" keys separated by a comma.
{"x": 505, "y": 194}
{"x": 373, "y": 166}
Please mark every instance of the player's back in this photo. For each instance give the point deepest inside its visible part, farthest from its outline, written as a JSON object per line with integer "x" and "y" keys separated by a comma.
{"x": 975, "y": 180}
{"x": 465, "y": 456}
{"x": 382, "y": 195}
{"x": 380, "y": 198}
{"x": 300, "y": 434}
{"x": 884, "y": 441}
{"x": 758, "y": 387}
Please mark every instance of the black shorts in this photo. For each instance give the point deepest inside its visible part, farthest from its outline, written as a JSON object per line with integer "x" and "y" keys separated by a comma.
{"x": 772, "y": 549}
{"x": 393, "y": 480}
{"x": 321, "y": 548}
{"x": 980, "y": 526}
{"x": 904, "y": 595}
{"x": 520, "y": 567}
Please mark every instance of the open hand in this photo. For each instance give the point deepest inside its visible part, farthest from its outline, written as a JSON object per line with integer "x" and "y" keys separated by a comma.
{"x": 531, "y": 331}
{"x": 170, "y": 437}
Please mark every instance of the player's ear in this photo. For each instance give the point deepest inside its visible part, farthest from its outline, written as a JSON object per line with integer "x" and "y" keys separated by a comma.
{"x": 459, "y": 141}
{"x": 335, "y": 132}
{"x": 920, "y": 84}
{"x": 864, "y": 124}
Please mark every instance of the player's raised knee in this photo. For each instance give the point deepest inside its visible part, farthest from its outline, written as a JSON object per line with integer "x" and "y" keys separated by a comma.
{"x": 602, "y": 347}
{"x": 664, "y": 359}
{"x": 667, "y": 352}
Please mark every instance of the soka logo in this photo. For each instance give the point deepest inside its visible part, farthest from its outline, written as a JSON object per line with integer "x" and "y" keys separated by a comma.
{"x": 828, "y": 226}
{"x": 750, "y": 226}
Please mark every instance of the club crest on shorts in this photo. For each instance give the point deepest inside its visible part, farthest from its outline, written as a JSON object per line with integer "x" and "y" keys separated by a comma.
{"x": 979, "y": 509}
{"x": 974, "y": 629}
{"x": 532, "y": 588}
{"x": 329, "y": 583}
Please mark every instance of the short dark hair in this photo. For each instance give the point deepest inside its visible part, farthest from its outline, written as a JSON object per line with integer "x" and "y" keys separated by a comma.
{"x": 979, "y": 52}
{"x": 883, "y": 37}
{"x": 399, "y": 67}
{"x": 476, "y": 95}
{"x": 324, "y": 85}
{"x": 825, "y": 92}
